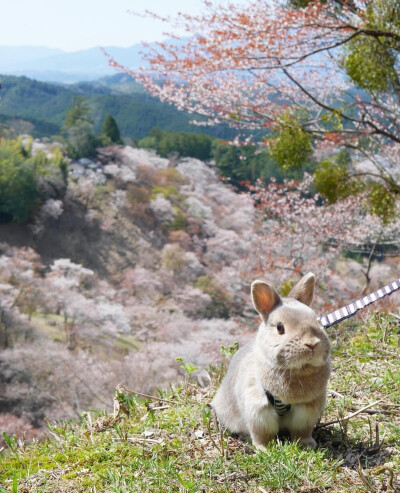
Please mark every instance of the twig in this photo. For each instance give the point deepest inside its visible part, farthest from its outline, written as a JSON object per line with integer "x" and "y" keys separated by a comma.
{"x": 333, "y": 392}
{"x": 385, "y": 351}
{"x": 383, "y": 468}
{"x": 394, "y": 315}
{"x": 147, "y": 396}
{"x": 378, "y": 411}
{"x": 366, "y": 481}
{"x": 371, "y": 254}
{"x": 208, "y": 424}
{"x": 136, "y": 439}
{"x": 350, "y": 416}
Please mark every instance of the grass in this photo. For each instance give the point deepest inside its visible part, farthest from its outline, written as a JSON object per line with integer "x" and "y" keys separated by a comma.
{"x": 50, "y": 325}
{"x": 171, "y": 444}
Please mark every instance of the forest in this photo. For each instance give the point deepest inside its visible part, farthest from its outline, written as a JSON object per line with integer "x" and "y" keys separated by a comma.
{"x": 39, "y": 108}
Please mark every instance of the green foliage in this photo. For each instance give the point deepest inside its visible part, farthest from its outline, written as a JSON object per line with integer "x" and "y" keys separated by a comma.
{"x": 370, "y": 64}
{"x": 381, "y": 202}
{"x": 292, "y": 147}
{"x": 221, "y": 300}
{"x": 300, "y": 4}
{"x": 110, "y": 131}
{"x": 167, "y": 192}
{"x": 189, "y": 368}
{"x": 78, "y": 126}
{"x": 286, "y": 287}
{"x": 18, "y": 188}
{"x": 179, "y": 222}
{"x": 333, "y": 181}
{"x": 170, "y": 177}
{"x": 77, "y": 113}
{"x": 247, "y": 164}
{"x": 45, "y": 105}
{"x": 19, "y": 176}
{"x": 181, "y": 143}
{"x": 81, "y": 142}
{"x": 229, "y": 351}
{"x": 243, "y": 164}
{"x": 174, "y": 259}
{"x": 40, "y": 103}
{"x": 370, "y": 61}
{"x": 147, "y": 143}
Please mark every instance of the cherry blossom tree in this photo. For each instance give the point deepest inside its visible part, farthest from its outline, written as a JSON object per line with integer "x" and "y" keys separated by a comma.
{"x": 305, "y": 74}
{"x": 300, "y": 233}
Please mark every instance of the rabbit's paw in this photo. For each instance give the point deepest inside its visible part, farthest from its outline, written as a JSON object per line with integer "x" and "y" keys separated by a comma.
{"x": 260, "y": 448}
{"x": 308, "y": 442}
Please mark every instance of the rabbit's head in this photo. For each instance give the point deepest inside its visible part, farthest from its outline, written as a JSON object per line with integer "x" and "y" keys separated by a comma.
{"x": 290, "y": 336}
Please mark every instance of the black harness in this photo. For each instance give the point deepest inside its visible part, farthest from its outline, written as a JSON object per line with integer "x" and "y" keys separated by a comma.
{"x": 279, "y": 406}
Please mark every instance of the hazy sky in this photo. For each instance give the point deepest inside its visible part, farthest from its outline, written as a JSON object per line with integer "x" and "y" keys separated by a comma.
{"x": 78, "y": 24}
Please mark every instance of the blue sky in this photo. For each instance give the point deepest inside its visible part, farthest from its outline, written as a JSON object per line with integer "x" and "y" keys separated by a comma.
{"x": 73, "y": 25}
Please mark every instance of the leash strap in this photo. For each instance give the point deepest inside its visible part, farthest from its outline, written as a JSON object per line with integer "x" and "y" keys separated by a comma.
{"x": 350, "y": 310}
{"x": 280, "y": 407}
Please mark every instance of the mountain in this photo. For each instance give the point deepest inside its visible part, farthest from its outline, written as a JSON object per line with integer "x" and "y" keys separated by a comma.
{"x": 52, "y": 65}
{"x": 43, "y": 106}
{"x": 14, "y": 57}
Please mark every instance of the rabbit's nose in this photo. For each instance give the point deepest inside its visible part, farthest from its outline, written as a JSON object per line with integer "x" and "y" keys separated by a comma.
{"x": 311, "y": 343}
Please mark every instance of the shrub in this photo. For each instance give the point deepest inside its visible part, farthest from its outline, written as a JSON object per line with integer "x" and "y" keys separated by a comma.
{"x": 182, "y": 143}
{"x": 248, "y": 164}
{"x": 174, "y": 259}
{"x": 221, "y": 300}
{"x": 78, "y": 126}
{"x": 81, "y": 140}
{"x": 137, "y": 194}
{"x": 25, "y": 179}
{"x": 170, "y": 176}
{"x": 166, "y": 192}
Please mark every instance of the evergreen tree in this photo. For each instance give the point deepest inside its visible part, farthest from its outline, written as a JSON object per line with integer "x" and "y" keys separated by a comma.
{"x": 78, "y": 126}
{"x": 110, "y": 131}
{"x": 78, "y": 112}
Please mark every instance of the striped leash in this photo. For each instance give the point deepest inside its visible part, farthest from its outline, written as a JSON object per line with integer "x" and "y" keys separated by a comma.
{"x": 350, "y": 310}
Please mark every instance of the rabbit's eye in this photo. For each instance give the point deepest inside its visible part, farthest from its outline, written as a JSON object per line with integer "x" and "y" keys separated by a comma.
{"x": 281, "y": 328}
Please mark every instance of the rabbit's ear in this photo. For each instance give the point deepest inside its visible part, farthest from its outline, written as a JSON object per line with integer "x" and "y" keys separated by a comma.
{"x": 304, "y": 289}
{"x": 264, "y": 297}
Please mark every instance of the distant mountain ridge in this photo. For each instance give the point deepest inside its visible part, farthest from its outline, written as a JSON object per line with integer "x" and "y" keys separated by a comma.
{"x": 53, "y": 65}
{"x": 14, "y": 56}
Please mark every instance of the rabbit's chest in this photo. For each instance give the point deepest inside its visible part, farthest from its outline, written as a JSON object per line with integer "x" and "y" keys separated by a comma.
{"x": 292, "y": 387}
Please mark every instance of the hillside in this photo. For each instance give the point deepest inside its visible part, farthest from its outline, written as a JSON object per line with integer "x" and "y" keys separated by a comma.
{"x": 43, "y": 106}
{"x": 141, "y": 261}
{"x": 133, "y": 258}
{"x": 143, "y": 256}
{"x": 170, "y": 442}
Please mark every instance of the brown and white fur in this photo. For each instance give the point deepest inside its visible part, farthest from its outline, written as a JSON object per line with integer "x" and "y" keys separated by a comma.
{"x": 292, "y": 363}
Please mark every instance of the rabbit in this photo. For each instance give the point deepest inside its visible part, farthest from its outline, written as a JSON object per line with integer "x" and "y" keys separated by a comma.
{"x": 278, "y": 380}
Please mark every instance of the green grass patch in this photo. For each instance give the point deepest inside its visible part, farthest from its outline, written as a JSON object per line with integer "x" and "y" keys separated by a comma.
{"x": 172, "y": 444}
{"x": 50, "y": 325}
